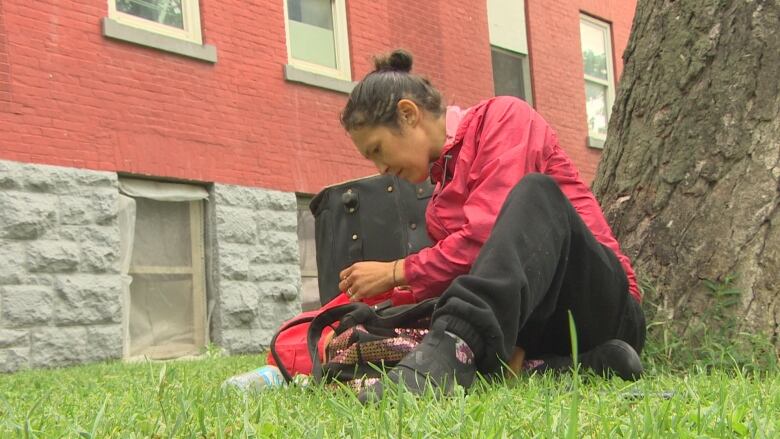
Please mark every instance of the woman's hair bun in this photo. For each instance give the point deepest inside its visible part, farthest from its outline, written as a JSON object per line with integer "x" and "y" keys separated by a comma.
{"x": 398, "y": 60}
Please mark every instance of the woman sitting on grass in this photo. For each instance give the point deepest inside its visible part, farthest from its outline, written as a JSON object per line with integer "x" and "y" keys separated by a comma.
{"x": 519, "y": 239}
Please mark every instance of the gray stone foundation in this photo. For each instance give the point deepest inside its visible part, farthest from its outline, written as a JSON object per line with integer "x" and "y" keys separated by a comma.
{"x": 60, "y": 286}
{"x": 255, "y": 268}
{"x": 60, "y": 296}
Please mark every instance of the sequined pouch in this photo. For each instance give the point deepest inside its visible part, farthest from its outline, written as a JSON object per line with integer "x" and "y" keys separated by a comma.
{"x": 367, "y": 340}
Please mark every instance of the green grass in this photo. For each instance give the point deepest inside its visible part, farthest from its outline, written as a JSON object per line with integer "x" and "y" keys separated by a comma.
{"x": 183, "y": 399}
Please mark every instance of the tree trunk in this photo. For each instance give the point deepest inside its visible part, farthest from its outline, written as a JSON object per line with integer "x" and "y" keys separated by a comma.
{"x": 690, "y": 175}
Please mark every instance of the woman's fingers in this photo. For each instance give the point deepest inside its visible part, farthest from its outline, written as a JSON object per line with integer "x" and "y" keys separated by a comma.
{"x": 365, "y": 279}
{"x": 344, "y": 283}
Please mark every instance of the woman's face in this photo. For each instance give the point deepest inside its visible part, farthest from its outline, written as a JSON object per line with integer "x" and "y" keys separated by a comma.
{"x": 403, "y": 152}
{"x": 406, "y": 151}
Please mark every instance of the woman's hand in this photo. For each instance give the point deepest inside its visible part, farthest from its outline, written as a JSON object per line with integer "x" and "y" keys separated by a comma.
{"x": 367, "y": 279}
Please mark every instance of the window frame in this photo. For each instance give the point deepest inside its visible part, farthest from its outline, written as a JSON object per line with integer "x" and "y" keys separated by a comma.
{"x": 595, "y": 140}
{"x": 343, "y": 70}
{"x": 526, "y": 71}
{"x": 190, "y": 18}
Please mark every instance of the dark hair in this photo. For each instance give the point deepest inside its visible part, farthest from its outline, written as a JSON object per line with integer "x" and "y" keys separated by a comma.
{"x": 374, "y": 100}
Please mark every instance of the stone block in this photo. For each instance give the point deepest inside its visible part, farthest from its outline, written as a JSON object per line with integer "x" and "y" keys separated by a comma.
{"x": 58, "y": 346}
{"x": 14, "y": 359}
{"x": 48, "y": 179}
{"x": 272, "y": 313}
{"x": 97, "y": 179}
{"x": 104, "y": 342}
{"x": 236, "y": 196}
{"x": 24, "y": 305}
{"x": 74, "y": 210}
{"x": 274, "y": 273}
{"x": 11, "y": 338}
{"x": 234, "y": 261}
{"x": 236, "y": 225}
{"x": 269, "y": 220}
{"x": 52, "y": 256}
{"x": 26, "y": 216}
{"x": 239, "y": 304}
{"x": 276, "y": 200}
{"x": 104, "y": 207}
{"x": 98, "y": 235}
{"x": 11, "y": 262}
{"x": 99, "y": 259}
{"x": 7, "y": 179}
{"x": 86, "y": 299}
{"x": 277, "y": 248}
{"x": 280, "y": 291}
{"x": 245, "y": 341}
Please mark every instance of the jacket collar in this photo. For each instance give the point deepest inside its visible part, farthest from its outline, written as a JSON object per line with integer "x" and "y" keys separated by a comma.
{"x": 455, "y": 130}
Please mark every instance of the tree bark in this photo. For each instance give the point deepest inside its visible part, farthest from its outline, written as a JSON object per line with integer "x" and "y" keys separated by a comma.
{"x": 690, "y": 175}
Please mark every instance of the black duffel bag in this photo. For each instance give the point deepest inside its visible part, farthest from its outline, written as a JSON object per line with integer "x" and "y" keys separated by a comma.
{"x": 377, "y": 218}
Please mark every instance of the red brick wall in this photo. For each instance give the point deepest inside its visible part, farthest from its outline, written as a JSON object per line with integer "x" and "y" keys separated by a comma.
{"x": 83, "y": 100}
{"x": 557, "y": 71}
{"x": 5, "y": 68}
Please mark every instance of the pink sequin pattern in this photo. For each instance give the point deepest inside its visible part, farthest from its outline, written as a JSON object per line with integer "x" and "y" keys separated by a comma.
{"x": 463, "y": 352}
{"x": 344, "y": 350}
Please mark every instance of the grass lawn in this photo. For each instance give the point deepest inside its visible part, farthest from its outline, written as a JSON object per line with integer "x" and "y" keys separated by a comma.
{"x": 183, "y": 399}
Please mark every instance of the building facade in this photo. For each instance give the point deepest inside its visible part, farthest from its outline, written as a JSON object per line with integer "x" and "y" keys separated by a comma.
{"x": 157, "y": 157}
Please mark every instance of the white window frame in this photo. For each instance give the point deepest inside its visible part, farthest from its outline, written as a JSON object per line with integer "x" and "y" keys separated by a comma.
{"x": 190, "y": 18}
{"x": 595, "y": 140}
{"x": 507, "y": 33}
{"x": 343, "y": 70}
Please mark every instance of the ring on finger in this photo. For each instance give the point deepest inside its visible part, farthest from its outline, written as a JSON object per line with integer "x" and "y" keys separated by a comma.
{"x": 349, "y": 292}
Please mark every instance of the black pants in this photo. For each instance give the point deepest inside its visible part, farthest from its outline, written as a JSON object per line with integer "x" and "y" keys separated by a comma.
{"x": 540, "y": 262}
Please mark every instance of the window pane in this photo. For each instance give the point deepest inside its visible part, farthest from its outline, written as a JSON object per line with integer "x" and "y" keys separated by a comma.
{"x": 594, "y": 53}
{"x": 317, "y": 13}
{"x": 306, "y": 246}
{"x": 167, "y": 12}
{"x": 311, "y": 31}
{"x": 508, "y": 74}
{"x": 596, "y": 106}
{"x": 161, "y": 314}
{"x": 310, "y": 294}
{"x": 162, "y": 234}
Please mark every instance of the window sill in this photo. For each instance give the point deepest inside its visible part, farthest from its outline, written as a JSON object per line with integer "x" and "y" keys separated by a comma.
{"x": 295, "y": 74}
{"x": 119, "y": 31}
{"x": 593, "y": 142}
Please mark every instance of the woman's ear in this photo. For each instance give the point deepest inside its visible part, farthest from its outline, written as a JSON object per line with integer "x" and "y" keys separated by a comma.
{"x": 408, "y": 112}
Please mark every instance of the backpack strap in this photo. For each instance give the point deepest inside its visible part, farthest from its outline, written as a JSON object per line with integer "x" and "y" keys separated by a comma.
{"x": 401, "y": 316}
{"x": 279, "y": 363}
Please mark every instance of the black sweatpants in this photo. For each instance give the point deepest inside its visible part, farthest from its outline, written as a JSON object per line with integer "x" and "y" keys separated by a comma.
{"x": 540, "y": 262}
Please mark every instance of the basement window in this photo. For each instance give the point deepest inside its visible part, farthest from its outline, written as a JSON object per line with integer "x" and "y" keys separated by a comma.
{"x": 162, "y": 263}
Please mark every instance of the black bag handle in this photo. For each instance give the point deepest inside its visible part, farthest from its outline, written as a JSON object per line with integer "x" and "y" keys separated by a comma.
{"x": 318, "y": 324}
{"x": 351, "y": 314}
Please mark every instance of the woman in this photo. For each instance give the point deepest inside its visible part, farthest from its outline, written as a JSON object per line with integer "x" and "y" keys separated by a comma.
{"x": 519, "y": 239}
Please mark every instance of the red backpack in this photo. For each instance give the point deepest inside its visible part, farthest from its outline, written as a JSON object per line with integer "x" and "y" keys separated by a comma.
{"x": 290, "y": 345}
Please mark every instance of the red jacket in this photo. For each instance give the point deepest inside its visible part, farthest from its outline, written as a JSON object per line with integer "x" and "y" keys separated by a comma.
{"x": 491, "y": 147}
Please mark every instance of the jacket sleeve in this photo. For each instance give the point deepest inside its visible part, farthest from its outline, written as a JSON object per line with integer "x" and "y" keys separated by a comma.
{"x": 493, "y": 170}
